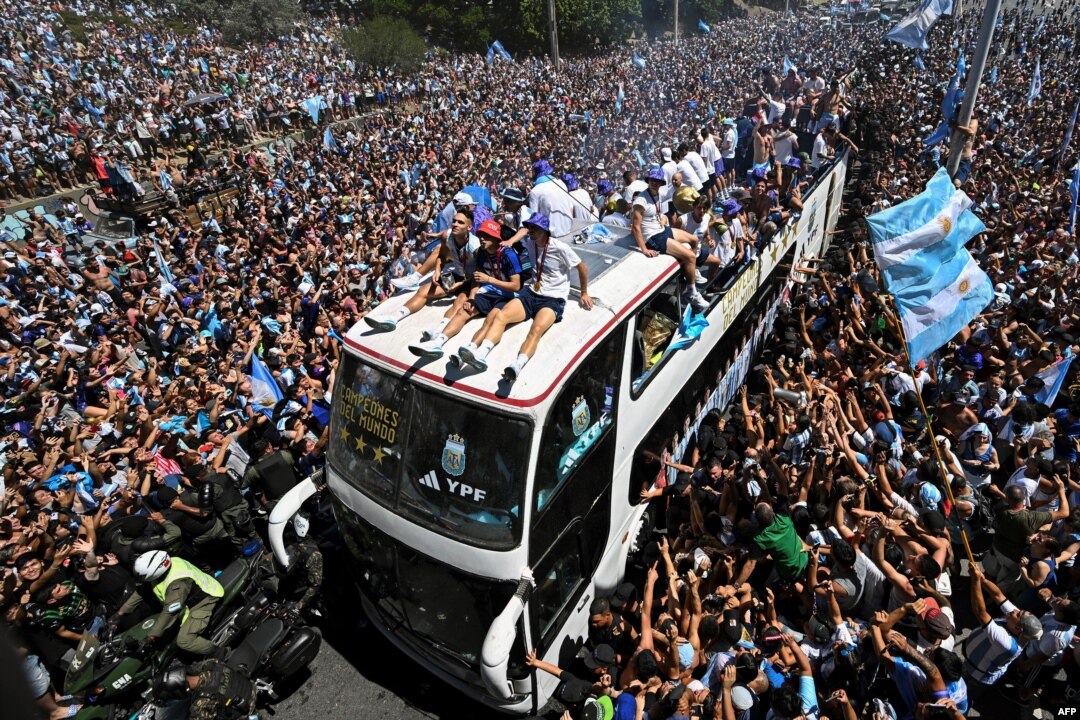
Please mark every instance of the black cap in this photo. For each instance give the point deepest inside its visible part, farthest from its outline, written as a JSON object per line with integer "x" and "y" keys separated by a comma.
{"x": 602, "y": 656}
{"x": 623, "y": 595}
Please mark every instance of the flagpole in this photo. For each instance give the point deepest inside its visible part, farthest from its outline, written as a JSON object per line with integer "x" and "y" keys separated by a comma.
{"x": 933, "y": 436}
{"x": 971, "y": 86}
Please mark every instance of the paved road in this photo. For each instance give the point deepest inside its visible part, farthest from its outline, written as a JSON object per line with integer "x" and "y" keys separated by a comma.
{"x": 359, "y": 674}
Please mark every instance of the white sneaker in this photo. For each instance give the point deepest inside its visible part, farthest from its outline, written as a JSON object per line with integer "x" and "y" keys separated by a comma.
{"x": 409, "y": 282}
{"x": 698, "y": 302}
{"x": 510, "y": 374}
{"x": 470, "y": 354}
{"x": 384, "y": 325}
{"x": 429, "y": 349}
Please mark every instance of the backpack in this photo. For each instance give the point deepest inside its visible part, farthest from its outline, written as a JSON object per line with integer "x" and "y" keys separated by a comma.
{"x": 983, "y": 517}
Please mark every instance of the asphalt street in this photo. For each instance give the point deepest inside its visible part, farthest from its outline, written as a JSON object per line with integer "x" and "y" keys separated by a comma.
{"x": 359, "y": 674}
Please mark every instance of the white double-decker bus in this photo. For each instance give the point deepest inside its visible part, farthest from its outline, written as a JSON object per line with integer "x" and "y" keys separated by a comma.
{"x": 483, "y": 517}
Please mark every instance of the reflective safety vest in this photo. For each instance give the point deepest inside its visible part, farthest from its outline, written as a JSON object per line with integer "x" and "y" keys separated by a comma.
{"x": 181, "y": 569}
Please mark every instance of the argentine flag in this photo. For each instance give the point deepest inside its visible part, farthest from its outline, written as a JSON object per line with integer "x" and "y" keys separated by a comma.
{"x": 919, "y": 246}
{"x": 912, "y": 30}
{"x": 265, "y": 392}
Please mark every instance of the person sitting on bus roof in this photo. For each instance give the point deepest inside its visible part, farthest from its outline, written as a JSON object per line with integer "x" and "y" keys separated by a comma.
{"x": 496, "y": 282}
{"x": 451, "y": 267}
{"x": 542, "y": 302}
{"x": 653, "y": 235}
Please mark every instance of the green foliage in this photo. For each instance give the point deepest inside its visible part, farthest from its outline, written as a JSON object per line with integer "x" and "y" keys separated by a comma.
{"x": 584, "y": 25}
{"x": 243, "y": 21}
{"x": 386, "y": 42}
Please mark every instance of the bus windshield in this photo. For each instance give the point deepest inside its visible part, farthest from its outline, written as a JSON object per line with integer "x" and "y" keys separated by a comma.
{"x": 452, "y": 467}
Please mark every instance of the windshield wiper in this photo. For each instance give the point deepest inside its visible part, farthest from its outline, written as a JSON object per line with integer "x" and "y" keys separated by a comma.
{"x": 435, "y": 517}
{"x": 445, "y": 649}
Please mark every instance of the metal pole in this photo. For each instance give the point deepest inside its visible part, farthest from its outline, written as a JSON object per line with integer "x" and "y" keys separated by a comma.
{"x": 553, "y": 23}
{"x": 971, "y": 87}
{"x": 676, "y": 22}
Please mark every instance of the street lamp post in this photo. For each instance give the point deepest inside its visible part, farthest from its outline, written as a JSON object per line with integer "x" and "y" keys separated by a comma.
{"x": 971, "y": 87}
{"x": 553, "y": 24}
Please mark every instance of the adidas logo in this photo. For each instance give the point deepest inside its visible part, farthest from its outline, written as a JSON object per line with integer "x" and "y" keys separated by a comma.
{"x": 431, "y": 480}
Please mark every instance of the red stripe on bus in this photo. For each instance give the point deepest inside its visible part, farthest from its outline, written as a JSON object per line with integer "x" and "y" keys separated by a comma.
{"x": 484, "y": 394}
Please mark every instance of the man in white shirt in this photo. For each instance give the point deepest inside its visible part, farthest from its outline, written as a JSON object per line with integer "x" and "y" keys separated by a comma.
{"x": 583, "y": 206}
{"x": 686, "y": 152}
{"x": 653, "y": 235}
{"x": 550, "y": 197}
{"x": 710, "y": 153}
{"x": 727, "y": 149}
{"x": 785, "y": 145}
{"x": 686, "y": 169}
{"x": 542, "y": 300}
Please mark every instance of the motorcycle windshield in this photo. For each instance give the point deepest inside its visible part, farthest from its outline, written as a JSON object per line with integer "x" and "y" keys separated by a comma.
{"x": 80, "y": 673}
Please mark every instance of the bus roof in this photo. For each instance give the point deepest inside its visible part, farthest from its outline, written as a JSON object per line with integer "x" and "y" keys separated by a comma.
{"x": 620, "y": 278}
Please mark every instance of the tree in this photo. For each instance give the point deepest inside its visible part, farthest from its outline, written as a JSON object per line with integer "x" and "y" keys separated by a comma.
{"x": 386, "y": 42}
{"x": 583, "y": 25}
{"x": 243, "y": 21}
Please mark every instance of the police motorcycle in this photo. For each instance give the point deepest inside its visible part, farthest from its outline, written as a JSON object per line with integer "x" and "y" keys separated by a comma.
{"x": 276, "y": 645}
{"x": 111, "y": 669}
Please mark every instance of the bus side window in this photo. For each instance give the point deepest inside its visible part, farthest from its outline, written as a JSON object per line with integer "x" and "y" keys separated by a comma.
{"x": 654, "y": 327}
{"x": 558, "y": 586}
{"x": 583, "y": 414}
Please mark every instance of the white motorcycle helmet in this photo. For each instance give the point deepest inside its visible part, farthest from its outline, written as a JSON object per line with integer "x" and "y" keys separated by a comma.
{"x": 152, "y": 566}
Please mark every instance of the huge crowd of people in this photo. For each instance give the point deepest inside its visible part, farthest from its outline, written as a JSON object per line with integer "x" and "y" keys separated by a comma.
{"x": 812, "y": 552}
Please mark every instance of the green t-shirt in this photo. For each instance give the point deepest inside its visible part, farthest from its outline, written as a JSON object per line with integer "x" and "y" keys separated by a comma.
{"x": 782, "y": 542}
{"x": 1012, "y": 529}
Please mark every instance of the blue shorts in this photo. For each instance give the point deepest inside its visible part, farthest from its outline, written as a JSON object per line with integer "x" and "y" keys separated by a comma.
{"x": 534, "y": 303}
{"x": 658, "y": 242}
{"x": 486, "y": 302}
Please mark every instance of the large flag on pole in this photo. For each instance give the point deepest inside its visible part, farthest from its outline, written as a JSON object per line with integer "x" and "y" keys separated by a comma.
{"x": 1036, "y": 82}
{"x": 912, "y": 30}
{"x": 919, "y": 246}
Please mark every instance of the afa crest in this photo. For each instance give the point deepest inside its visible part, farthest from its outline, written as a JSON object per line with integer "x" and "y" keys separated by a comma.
{"x": 453, "y": 455}
{"x": 581, "y": 418}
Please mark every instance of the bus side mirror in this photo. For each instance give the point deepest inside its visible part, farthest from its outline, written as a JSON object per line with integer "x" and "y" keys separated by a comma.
{"x": 288, "y": 506}
{"x": 495, "y": 654}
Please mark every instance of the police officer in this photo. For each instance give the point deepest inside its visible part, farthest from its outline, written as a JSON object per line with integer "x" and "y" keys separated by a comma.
{"x": 299, "y": 583}
{"x": 184, "y": 592}
{"x": 217, "y": 691}
{"x": 271, "y": 473}
{"x": 219, "y": 493}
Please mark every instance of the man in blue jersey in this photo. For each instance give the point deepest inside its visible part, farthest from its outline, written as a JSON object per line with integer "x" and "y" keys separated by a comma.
{"x": 496, "y": 282}
{"x": 995, "y": 644}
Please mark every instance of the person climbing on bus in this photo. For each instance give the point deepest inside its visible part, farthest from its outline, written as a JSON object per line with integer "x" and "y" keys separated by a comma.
{"x": 543, "y": 301}
{"x": 450, "y": 270}
{"x": 654, "y": 236}
{"x": 496, "y": 282}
